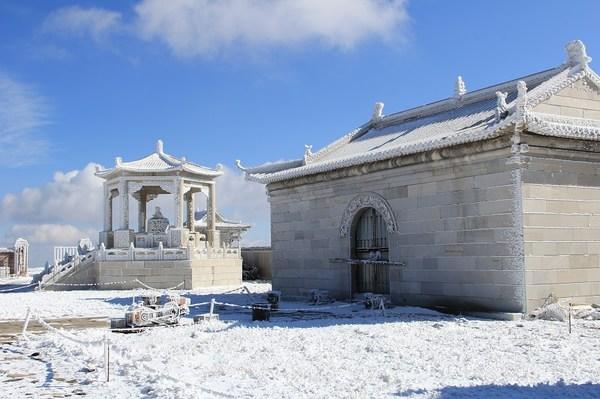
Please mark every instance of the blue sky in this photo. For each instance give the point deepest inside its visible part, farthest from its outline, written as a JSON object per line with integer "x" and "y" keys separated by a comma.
{"x": 93, "y": 80}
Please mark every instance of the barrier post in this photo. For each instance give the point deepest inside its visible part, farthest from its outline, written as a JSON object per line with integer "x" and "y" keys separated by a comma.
{"x": 106, "y": 357}
{"x": 27, "y": 319}
{"x": 382, "y": 306}
{"x": 569, "y": 318}
{"x": 212, "y": 307}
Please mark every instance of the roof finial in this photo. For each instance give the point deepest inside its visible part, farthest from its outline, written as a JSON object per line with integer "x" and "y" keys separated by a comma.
{"x": 159, "y": 146}
{"x": 307, "y": 152}
{"x": 459, "y": 88}
{"x": 576, "y": 54}
{"x": 501, "y": 106}
{"x": 377, "y": 112}
{"x": 118, "y": 161}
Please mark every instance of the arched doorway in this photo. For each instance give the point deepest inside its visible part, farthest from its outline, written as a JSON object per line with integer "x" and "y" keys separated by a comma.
{"x": 370, "y": 243}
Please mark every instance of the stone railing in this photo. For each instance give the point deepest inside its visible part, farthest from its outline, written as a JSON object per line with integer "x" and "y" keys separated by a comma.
{"x": 214, "y": 253}
{"x": 60, "y": 271}
{"x": 160, "y": 253}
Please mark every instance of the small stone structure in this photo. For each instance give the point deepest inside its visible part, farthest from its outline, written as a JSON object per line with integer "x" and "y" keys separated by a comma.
{"x": 490, "y": 199}
{"x": 14, "y": 261}
{"x": 159, "y": 253}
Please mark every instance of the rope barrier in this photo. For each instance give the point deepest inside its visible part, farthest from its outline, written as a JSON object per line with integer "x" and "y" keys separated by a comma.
{"x": 198, "y": 304}
{"x": 113, "y": 283}
{"x": 158, "y": 289}
{"x": 92, "y": 284}
{"x": 18, "y": 288}
{"x": 289, "y": 310}
{"x": 66, "y": 335}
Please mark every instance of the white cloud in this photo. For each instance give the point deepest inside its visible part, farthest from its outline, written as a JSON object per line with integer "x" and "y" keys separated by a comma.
{"x": 96, "y": 22}
{"x": 50, "y": 234}
{"x": 70, "y": 207}
{"x": 22, "y": 113}
{"x": 206, "y": 27}
{"x": 71, "y": 197}
{"x": 245, "y": 201}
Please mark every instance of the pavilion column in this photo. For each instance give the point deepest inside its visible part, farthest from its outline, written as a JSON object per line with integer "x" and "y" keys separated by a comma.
{"x": 213, "y": 235}
{"x": 124, "y": 199}
{"x": 107, "y": 208}
{"x": 179, "y": 204}
{"x": 190, "y": 210}
{"x": 142, "y": 211}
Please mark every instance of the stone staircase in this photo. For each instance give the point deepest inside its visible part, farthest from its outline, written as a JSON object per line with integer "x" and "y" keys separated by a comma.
{"x": 63, "y": 274}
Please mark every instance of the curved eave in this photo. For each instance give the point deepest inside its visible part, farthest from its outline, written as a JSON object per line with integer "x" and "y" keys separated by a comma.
{"x": 201, "y": 172}
{"x": 564, "y": 127}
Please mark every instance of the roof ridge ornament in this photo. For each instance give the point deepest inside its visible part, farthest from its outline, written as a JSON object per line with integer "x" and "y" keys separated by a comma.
{"x": 377, "y": 112}
{"x": 118, "y": 161}
{"x": 460, "y": 89}
{"x": 501, "y": 105}
{"x": 160, "y": 147}
{"x": 521, "y": 101}
{"x": 576, "y": 55}
{"x": 238, "y": 164}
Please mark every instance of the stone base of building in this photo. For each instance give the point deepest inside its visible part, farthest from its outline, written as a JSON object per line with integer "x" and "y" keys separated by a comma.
{"x": 123, "y": 238}
{"x": 107, "y": 238}
{"x": 160, "y": 274}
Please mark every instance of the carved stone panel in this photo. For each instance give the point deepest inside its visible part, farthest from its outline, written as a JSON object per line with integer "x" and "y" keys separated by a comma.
{"x": 368, "y": 200}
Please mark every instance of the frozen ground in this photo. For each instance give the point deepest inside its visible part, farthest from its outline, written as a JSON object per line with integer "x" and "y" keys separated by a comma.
{"x": 345, "y": 352}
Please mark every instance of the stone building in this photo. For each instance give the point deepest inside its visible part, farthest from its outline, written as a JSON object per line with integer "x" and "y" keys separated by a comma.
{"x": 14, "y": 261}
{"x": 487, "y": 200}
{"x": 158, "y": 252}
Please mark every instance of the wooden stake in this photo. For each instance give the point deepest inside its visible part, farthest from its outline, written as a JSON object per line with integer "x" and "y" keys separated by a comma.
{"x": 569, "y": 318}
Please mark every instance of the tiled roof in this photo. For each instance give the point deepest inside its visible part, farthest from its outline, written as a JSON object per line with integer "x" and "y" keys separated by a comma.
{"x": 159, "y": 161}
{"x": 463, "y": 118}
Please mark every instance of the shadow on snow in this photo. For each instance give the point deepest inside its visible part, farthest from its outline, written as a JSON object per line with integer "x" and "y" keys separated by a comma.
{"x": 559, "y": 390}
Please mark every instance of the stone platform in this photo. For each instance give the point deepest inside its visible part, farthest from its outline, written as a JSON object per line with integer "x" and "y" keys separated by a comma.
{"x": 160, "y": 274}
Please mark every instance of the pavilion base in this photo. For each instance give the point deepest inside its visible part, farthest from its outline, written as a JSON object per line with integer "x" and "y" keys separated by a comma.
{"x": 160, "y": 274}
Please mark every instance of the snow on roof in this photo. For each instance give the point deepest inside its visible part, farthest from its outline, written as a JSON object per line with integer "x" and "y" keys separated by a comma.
{"x": 159, "y": 161}
{"x": 465, "y": 117}
{"x": 200, "y": 218}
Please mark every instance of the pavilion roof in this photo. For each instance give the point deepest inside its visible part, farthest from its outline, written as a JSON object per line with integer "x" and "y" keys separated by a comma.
{"x": 201, "y": 219}
{"x": 158, "y": 162}
{"x": 462, "y": 118}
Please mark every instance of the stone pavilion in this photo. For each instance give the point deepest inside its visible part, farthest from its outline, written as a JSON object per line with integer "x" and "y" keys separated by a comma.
{"x": 159, "y": 252}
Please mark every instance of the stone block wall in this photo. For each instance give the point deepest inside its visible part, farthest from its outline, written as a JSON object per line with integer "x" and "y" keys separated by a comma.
{"x": 561, "y": 225}
{"x": 457, "y": 232}
{"x": 216, "y": 272}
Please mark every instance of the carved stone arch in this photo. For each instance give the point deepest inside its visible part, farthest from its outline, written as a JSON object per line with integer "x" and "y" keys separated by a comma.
{"x": 368, "y": 200}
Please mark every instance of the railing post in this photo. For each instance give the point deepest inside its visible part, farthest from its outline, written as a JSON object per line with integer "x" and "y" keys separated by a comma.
{"x": 212, "y": 307}
{"x": 27, "y": 319}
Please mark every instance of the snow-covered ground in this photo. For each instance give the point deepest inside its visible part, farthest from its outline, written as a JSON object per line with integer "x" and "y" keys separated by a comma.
{"x": 330, "y": 352}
